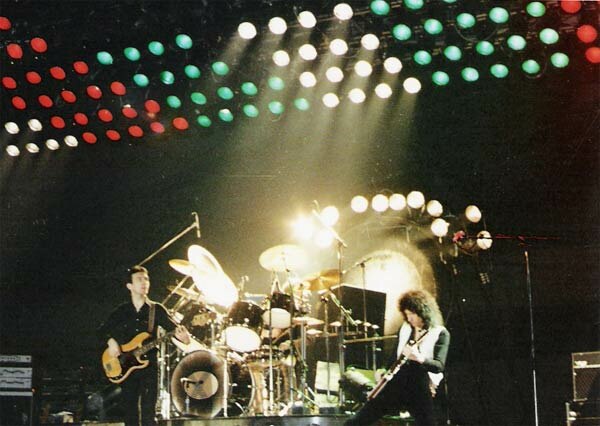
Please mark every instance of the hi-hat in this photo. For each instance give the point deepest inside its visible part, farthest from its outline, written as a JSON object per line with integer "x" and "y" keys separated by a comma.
{"x": 322, "y": 280}
{"x": 282, "y": 258}
{"x": 184, "y": 292}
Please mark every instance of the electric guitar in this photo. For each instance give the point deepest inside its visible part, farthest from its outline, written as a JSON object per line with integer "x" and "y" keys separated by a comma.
{"x": 117, "y": 369}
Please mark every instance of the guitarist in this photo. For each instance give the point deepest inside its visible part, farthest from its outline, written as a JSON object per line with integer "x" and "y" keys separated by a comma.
{"x": 423, "y": 343}
{"x": 140, "y": 314}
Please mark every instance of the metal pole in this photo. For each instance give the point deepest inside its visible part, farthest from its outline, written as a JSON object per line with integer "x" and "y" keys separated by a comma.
{"x": 532, "y": 337}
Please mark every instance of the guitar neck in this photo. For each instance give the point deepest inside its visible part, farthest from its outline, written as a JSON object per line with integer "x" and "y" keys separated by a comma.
{"x": 142, "y": 350}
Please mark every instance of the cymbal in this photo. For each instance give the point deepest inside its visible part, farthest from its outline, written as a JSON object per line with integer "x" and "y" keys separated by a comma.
{"x": 182, "y": 266}
{"x": 184, "y": 292}
{"x": 323, "y": 280}
{"x": 309, "y": 321}
{"x": 282, "y": 258}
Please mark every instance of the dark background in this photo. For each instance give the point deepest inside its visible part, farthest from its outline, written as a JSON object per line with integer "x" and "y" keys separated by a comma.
{"x": 524, "y": 150}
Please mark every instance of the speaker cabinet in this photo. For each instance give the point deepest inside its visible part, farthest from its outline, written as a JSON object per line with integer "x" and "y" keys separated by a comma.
{"x": 586, "y": 375}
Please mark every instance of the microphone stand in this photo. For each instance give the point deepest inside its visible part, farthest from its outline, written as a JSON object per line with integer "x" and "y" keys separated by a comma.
{"x": 194, "y": 225}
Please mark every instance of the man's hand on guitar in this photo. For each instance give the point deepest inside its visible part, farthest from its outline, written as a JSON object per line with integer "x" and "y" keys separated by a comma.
{"x": 182, "y": 334}
{"x": 114, "y": 349}
{"x": 413, "y": 354}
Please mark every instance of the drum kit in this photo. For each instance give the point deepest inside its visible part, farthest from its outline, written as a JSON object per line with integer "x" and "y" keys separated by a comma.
{"x": 247, "y": 354}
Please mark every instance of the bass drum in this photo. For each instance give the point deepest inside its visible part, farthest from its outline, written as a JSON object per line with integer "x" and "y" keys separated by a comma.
{"x": 201, "y": 381}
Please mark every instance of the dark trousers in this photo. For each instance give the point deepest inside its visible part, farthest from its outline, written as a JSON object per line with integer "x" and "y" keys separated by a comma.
{"x": 408, "y": 389}
{"x": 138, "y": 397}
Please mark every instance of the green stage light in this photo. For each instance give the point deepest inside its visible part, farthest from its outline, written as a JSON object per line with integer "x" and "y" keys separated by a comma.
{"x": 413, "y": 4}
{"x": 302, "y": 104}
{"x": 401, "y": 32}
{"x": 465, "y": 20}
{"x": 276, "y": 107}
{"x": 470, "y": 74}
{"x": 249, "y": 88}
{"x": 380, "y": 7}
{"x": 141, "y": 80}
{"x": 198, "y": 98}
{"x": 225, "y": 93}
{"x": 450, "y": 1}
{"x": 559, "y": 60}
{"x": 530, "y": 66}
{"x": 422, "y": 57}
{"x": 220, "y": 68}
{"x": 104, "y": 58}
{"x": 184, "y": 41}
{"x": 276, "y": 83}
{"x": 484, "y": 48}
{"x": 516, "y": 42}
{"x": 226, "y": 115}
{"x": 499, "y": 70}
{"x": 440, "y": 78}
{"x": 536, "y": 9}
{"x": 192, "y": 71}
{"x": 433, "y": 26}
{"x": 499, "y": 15}
{"x": 156, "y": 48}
{"x": 453, "y": 53}
{"x": 167, "y": 77}
{"x": 132, "y": 53}
{"x": 250, "y": 110}
{"x": 173, "y": 101}
{"x": 548, "y": 36}
{"x": 203, "y": 121}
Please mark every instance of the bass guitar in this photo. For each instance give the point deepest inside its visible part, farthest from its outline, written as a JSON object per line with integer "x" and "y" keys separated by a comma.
{"x": 117, "y": 369}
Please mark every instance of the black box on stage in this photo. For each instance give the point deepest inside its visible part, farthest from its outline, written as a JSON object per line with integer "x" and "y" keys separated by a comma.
{"x": 586, "y": 375}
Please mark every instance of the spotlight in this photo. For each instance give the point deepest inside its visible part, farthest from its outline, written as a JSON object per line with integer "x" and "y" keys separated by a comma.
{"x": 13, "y": 151}
{"x": 11, "y": 127}
{"x": 52, "y": 144}
{"x": 369, "y": 41}
{"x": 330, "y": 215}
{"x": 439, "y": 227}
{"x": 363, "y": 68}
{"x": 307, "y": 19}
{"x": 71, "y": 141}
{"x": 412, "y": 85}
{"x": 281, "y": 58}
{"x": 397, "y": 202}
{"x": 247, "y": 30}
{"x": 473, "y": 214}
{"x": 383, "y": 90}
{"x": 34, "y": 124}
{"x": 277, "y": 25}
{"x": 380, "y": 203}
{"x": 357, "y": 96}
{"x": 32, "y": 148}
{"x": 484, "y": 240}
{"x": 415, "y": 199}
{"x": 303, "y": 228}
{"x": 359, "y": 204}
{"x": 307, "y": 52}
{"x": 338, "y": 47}
{"x": 343, "y": 11}
{"x": 308, "y": 79}
{"x": 334, "y": 74}
{"x": 331, "y": 100}
{"x": 434, "y": 208}
{"x": 392, "y": 65}
{"x": 324, "y": 238}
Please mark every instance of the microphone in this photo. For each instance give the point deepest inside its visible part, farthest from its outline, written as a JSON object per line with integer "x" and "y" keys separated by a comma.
{"x": 196, "y": 224}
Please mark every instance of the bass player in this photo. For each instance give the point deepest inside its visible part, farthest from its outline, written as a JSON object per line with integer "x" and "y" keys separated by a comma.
{"x": 137, "y": 319}
{"x": 410, "y": 383}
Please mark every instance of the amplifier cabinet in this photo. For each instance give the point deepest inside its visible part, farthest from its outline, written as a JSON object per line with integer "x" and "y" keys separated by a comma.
{"x": 586, "y": 375}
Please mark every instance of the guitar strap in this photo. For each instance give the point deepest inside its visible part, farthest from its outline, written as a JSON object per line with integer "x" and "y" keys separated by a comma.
{"x": 151, "y": 316}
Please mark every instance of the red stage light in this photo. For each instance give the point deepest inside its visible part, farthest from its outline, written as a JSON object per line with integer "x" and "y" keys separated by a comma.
{"x": 129, "y": 112}
{"x": 68, "y": 96}
{"x": 570, "y": 6}
{"x": 45, "y": 101}
{"x": 9, "y": 83}
{"x": 89, "y": 137}
{"x": 593, "y": 55}
{"x": 4, "y": 23}
{"x": 94, "y": 92}
{"x": 81, "y": 67}
{"x": 180, "y": 123}
{"x": 136, "y": 131}
{"x": 152, "y": 106}
{"x": 105, "y": 115}
{"x": 157, "y": 127}
{"x": 14, "y": 51}
{"x": 80, "y": 118}
{"x": 58, "y": 73}
{"x": 38, "y": 44}
{"x": 18, "y": 102}
{"x": 57, "y": 122}
{"x": 113, "y": 135}
{"x": 33, "y": 77}
{"x": 118, "y": 88}
{"x": 587, "y": 33}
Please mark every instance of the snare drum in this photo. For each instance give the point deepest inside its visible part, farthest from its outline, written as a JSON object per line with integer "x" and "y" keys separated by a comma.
{"x": 243, "y": 325}
{"x": 280, "y": 310}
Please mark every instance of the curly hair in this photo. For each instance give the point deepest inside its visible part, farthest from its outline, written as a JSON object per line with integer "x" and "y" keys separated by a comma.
{"x": 423, "y": 304}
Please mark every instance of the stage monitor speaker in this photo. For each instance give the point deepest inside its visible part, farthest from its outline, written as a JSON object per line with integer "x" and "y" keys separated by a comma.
{"x": 586, "y": 375}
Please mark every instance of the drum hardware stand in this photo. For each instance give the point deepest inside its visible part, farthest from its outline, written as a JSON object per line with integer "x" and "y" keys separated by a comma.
{"x": 164, "y": 378}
